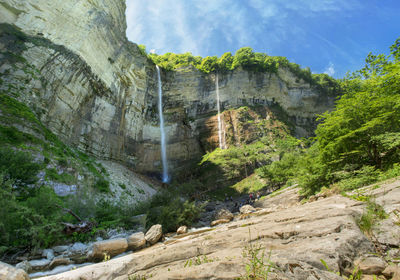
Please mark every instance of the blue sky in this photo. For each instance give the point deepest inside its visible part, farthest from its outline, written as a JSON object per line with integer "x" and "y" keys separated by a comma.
{"x": 331, "y": 36}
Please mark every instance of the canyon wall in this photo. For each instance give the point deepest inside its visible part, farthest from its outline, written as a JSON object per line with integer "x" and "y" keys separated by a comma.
{"x": 71, "y": 62}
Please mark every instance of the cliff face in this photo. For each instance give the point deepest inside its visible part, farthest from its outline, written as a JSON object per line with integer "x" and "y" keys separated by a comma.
{"x": 95, "y": 90}
{"x": 91, "y": 84}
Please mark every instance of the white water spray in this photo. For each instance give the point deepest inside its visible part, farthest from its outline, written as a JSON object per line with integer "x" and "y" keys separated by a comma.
{"x": 219, "y": 114}
{"x": 165, "y": 177}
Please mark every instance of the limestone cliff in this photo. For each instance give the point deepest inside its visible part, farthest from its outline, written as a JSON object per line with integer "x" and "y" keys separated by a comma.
{"x": 97, "y": 91}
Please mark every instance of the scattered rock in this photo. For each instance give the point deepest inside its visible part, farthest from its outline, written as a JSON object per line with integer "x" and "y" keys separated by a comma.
{"x": 25, "y": 265}
{"x": 153, "y": 234}
{"x": 388, "y": 233}
{"x": 370, "y": 265}
{"x": 220, "y": 221}
{"x": 247, "y": 209}
{"x": 392, "y": 271}
{"x": 57, "y": 261}
{"x": 223, "y": 214}
{"x": 60, "y": 249}
{"x": 39, "y": 264}
{"x": 78, "y": 248}
{"x": 48, "y": 254}
{"x": 182, "y": 230}
{"x": 136, "y": 241}
{"x": 8, "y": 272}
{"x": 77, "y": 253}
{"x": 63, "y": 189}
{"x": 110, "y": 247}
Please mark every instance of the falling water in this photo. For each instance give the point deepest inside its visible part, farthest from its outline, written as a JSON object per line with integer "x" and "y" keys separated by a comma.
{"x": 165, "y": 177}
{"x": 219, "y": 114}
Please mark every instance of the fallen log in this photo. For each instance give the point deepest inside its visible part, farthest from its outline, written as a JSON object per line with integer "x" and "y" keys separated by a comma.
{"x": 81, "y": 227}
{"x": 78, "y": 228}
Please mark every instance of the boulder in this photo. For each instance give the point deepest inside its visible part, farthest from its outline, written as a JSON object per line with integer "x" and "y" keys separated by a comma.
{"x": 110, "y": 247}
{"x": 223, "y": 214}
{"x": 60, "y": 249}
{"x": 77, "y": 252}
{"x": 39, "y": 264}
{"x": 182, "y": 230}
{"x": 153, "y": 234}
{"x": 78, "y": 248}
{"x": 57, "y": 261}
{"x": 370, "y": 265}
{"x": 48, "y": 254}
{"x": 24, "y": 265}
{"x": 392, "y": 271}
{"x": 8, "y": 272}
{"x": 247, "y": 209}
{"x": 136, "y": 241}
{"x": 220, "y": 221}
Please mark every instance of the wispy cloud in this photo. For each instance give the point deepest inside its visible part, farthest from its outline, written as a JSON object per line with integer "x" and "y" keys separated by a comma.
{"x": 198, "y": 26}
{"x": 330, "y": 69}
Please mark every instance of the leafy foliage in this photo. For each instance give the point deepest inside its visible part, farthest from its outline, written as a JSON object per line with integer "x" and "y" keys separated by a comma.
{"x": 33, "y": 222}
{"x": 249, "y": 60}
{"x": 374, "y": 213}
{"x": 18, "y": 166}
{"x": 171, "y": 211}
{"x": 358, "y": 142}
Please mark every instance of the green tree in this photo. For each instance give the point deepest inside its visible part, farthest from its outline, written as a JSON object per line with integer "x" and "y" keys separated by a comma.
{"x": 225, "y": 61}
{"x": 209, "y": 64}
{"x": 364, "y": 127}
{"x": 244, "y": 57}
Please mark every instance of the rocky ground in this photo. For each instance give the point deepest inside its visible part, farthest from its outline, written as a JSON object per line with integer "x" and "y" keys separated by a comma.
{"x": 313, "y": 240}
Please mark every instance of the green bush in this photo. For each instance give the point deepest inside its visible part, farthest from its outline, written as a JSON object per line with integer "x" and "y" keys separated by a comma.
{"x": 19, "y": 167}
{"x": 102, "y": 185}
{"x": 171, "y": 211}
{"x": 35, "y": 222}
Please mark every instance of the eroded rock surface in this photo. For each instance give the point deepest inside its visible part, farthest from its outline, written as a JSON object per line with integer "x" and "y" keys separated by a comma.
{"x": 298, "y": 237}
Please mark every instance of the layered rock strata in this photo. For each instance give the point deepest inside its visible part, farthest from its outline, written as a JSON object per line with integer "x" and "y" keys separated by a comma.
{"x": 97, "y": 91}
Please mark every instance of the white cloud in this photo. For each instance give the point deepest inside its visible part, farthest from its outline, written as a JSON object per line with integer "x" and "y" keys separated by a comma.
{"x": 198, "y": 25}
{"x": 330, "y": 69}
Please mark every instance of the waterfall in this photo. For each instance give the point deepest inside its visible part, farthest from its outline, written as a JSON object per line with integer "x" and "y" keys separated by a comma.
{"x": 165, "y": 177}
{"x": 219, "y": 114}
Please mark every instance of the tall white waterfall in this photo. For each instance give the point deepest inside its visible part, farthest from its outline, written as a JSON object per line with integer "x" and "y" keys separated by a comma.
{"x": 221, "y": 145}
{"x": 165, "y": 176}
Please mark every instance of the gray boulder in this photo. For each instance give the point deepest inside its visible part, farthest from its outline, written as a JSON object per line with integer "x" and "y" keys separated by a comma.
{"x": 39, "y": 264}
{"x": 25, "y": 265}
{"x": 60, "y": 249}
{"x": 48, "y": 254}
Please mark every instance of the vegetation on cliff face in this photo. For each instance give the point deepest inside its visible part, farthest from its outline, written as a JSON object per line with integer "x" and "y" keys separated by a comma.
{"x": 358, "y": 142}
{"x": 254, "y": 136}
{"x": 248, "y": 60}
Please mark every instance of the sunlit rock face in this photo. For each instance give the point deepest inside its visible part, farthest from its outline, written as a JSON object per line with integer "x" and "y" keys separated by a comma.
{"x": 97, "y": 91}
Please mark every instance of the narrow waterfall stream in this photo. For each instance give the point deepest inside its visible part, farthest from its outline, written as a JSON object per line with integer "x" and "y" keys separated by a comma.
{"x": 221, "y": 144}
{"x": 165, "y": 176}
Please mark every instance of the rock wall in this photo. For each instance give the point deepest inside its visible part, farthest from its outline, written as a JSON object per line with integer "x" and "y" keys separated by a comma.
{"x": 97, "y": 91}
